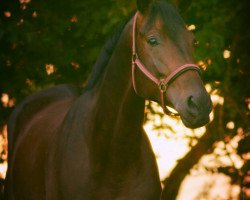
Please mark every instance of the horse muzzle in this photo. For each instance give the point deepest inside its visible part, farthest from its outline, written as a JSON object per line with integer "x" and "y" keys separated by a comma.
{"x": 195, "y": 110}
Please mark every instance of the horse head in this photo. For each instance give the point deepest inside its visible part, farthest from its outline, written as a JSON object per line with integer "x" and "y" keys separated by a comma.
{"x": 163, "y": 50}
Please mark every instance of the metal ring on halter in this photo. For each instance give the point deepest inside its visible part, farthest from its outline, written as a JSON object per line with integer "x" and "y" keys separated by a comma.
{"x": 162, "y": 86}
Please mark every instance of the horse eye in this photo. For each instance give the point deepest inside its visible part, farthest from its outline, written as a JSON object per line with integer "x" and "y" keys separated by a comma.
{"x": 153, "y": 41}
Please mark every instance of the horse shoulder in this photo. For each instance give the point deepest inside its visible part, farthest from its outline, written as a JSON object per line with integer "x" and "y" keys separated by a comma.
{"x": 33, "y": 104}
{"x": 38, "y": 116}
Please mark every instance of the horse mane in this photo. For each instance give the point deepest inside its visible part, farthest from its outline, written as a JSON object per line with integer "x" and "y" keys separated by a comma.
{"x": 105, "y": 54}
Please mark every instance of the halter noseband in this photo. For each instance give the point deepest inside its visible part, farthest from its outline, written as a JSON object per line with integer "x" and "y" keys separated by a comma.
{"x": 162, "y": 83}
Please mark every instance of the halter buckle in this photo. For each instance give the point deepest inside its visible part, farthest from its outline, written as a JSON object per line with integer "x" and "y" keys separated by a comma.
{"x": 162, "y": 86}
{"x": 134, "y": 57}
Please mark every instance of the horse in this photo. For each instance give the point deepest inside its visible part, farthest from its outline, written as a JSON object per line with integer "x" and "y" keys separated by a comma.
{"x": 70, "y": 144}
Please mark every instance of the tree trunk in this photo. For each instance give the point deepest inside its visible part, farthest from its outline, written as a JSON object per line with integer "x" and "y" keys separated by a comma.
{"x": 173, "y": 182}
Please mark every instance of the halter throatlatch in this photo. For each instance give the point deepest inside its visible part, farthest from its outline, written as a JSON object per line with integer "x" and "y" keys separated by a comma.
{"x": 162, "y": 83}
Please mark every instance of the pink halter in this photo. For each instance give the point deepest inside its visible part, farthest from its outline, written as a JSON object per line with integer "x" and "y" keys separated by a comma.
{"x": 162, "y": 83}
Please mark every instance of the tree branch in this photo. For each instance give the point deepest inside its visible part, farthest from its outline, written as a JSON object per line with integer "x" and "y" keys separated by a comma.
{"x": 173, "y": 182}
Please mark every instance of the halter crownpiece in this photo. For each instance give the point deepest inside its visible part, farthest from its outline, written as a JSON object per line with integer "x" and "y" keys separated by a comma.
{"x": 162, "y": 83}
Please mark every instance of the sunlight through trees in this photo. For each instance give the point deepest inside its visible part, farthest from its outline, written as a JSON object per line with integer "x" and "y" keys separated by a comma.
{"x": 44, "y": 44}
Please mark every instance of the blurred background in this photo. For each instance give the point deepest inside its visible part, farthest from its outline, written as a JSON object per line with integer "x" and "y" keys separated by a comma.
{"x": 44, "y": 43}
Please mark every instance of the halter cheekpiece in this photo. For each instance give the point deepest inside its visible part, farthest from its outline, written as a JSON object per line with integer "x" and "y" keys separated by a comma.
{"x": 161, "y": 83}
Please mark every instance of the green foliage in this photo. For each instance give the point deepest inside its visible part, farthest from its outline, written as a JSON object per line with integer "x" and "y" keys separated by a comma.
{"x": 220, "y": 26}
{"x": 66, "y": 35}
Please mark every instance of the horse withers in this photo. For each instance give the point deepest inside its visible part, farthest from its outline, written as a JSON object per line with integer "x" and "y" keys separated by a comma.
{"x": 65, "y": 144}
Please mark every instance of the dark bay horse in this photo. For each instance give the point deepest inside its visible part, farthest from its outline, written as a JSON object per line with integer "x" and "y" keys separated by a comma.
{"x": 64, "y": 144}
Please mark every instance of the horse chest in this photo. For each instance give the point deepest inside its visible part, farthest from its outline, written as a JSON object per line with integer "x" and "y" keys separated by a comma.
{"x": 108, "y": 177}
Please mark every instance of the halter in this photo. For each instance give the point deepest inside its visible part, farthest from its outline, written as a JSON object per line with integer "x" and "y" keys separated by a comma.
{"x": 161, "y": 83}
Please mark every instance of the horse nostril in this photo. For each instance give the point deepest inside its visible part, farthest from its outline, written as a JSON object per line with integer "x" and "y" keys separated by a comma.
{"x": 190, "y": 101}
{"x": 192, "y": 107}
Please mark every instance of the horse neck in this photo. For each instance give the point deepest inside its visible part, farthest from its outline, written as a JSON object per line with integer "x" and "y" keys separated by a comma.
{"x": 117, "y": 106}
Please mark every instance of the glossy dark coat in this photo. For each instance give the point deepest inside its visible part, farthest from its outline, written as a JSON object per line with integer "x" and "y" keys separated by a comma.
{"x": 64, "y": 144}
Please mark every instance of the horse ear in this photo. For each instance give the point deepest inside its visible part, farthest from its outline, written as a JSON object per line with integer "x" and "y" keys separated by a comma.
{"x": 143, "y": 5}
{"x": 182, "y": 4}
